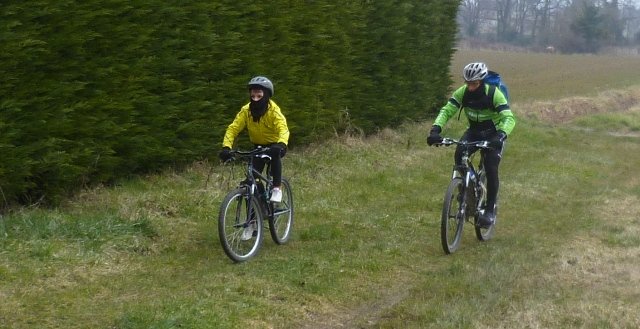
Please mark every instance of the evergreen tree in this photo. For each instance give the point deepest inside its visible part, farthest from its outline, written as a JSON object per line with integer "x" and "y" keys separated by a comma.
{"x": 589, "y": 25}
{"x": 94, "y": 91}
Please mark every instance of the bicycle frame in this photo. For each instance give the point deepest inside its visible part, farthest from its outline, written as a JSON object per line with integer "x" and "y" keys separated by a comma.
{"x": 467, "y": 171}
{"x": 253, "y": 176}
{"x": 465, "y": 196}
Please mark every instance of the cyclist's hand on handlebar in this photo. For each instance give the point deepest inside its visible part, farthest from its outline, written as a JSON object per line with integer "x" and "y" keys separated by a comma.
{"x": 498, "y": 140}
{"x": 225, "y": 154}
{"x": 434, "y": 136}
{"x": 434, "y": 140}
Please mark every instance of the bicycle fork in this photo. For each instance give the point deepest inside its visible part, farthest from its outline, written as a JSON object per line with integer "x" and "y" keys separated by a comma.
{"x": 463, "y": 199}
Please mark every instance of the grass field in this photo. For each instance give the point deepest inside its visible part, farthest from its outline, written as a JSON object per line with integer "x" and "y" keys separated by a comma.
{"x": 365, "y": 252}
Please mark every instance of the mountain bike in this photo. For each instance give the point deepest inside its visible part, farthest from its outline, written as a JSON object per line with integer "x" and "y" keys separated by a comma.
{"x": 244, "y": 208}
{"x": 466, "y": 196}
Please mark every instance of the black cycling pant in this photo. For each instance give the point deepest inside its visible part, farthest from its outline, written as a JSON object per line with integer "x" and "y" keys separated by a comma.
{"x": 276, "y": 166}
{"x": 491, "y": 162}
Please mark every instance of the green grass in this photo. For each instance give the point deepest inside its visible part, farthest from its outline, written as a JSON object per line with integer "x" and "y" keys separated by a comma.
{"x": 617, "y": 123}
{"x": 365, "y": 252}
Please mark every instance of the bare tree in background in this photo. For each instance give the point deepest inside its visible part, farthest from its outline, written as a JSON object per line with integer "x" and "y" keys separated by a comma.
{"x": 504, "y": 13}
{"x": 545, "y": 25}
{"x": 523, "y": 9}
{"x": 538, "y": 24}
{"x": 470, "y": 17}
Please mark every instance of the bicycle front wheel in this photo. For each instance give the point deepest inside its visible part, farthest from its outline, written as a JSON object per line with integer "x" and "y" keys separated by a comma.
{"x": 281, "y": 223}
{"x": 453, "y": 216}
{"x": 240, "y": 225}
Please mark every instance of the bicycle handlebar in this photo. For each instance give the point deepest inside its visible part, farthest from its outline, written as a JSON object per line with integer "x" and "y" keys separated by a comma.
{"x": 450, "y": 141}
{"x": 259, "y": 152}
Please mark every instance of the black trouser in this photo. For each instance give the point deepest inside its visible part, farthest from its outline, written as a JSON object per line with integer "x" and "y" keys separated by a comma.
{"x": 276, "y": 165}
{"x": 491, "y": 161}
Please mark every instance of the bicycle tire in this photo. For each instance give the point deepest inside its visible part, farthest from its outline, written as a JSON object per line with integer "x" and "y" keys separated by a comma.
{"x": 281, "y": 221}
{"x": 238, "y": 210}
{"x": 453, "y": 217}
{"x": 484, "y": 234}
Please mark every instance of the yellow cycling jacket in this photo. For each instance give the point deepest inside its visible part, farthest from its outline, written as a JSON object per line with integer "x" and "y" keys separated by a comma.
{"x": 271, "y": 128}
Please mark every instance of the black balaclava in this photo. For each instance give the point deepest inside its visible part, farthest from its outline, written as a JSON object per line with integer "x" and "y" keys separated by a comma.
{"x": 259, "y": 108}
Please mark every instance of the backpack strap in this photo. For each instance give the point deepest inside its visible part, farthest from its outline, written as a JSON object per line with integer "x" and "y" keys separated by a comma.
{"x": 460, "y": 107}
{"x": 492, "y": 92}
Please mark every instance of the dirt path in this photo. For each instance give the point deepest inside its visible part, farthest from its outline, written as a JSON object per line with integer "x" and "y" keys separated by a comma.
{"x": 363, "y": 316}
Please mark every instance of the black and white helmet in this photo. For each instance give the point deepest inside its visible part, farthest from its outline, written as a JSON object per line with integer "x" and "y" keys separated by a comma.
{"x": 262, "y": 82}
{"x": 475, "y": 71}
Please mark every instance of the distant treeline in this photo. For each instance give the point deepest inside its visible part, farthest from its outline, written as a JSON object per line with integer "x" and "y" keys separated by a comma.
{"x": 567, "y": 26}
{"x": 95, "y": 91}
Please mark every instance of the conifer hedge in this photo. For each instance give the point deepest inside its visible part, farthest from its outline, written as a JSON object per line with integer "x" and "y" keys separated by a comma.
{"x": 94, "y": 91}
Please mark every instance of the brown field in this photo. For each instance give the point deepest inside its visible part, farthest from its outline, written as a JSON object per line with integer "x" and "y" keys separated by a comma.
{"x": 539, "y": 77}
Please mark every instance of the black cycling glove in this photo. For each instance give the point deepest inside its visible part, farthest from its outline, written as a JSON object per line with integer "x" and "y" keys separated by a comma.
{"x": 497, "y": 141}
{"x": 434, "y": 135}
{"x": 225, "y": 154}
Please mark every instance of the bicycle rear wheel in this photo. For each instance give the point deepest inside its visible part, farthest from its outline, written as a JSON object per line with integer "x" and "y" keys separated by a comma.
{"x": 240, "y": 212}
{"x": 453, "y": 216}
{"x": 281, "y": 223}
{"x": 484, "y": 234}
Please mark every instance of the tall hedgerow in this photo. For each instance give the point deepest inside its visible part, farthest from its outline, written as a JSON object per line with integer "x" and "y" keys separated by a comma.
{"x": 93, "y": 91}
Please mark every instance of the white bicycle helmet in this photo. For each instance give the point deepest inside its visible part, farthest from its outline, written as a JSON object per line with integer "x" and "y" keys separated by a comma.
{"x": 475, "y": 71}
{"x": 262, "y": 82}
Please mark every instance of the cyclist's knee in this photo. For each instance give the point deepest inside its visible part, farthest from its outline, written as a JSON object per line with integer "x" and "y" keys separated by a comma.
{"x": 274, "y": 153}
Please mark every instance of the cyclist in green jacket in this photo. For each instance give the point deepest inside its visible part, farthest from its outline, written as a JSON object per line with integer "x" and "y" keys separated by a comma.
{"x": 266, "y": 125}
{"x": 489, "y": 119}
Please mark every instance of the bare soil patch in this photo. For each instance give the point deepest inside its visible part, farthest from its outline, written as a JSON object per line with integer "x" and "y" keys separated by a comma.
{"x": 367, "y": 314}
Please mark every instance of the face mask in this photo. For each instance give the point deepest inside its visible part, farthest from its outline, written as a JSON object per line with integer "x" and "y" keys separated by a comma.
{"x": 258, "y": 108}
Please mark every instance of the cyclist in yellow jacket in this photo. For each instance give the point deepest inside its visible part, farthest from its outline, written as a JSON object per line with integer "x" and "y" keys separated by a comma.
{"x": 266, "y": 125}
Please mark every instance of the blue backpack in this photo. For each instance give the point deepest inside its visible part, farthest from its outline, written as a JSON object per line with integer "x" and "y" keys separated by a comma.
{"x": 493, "y": 79}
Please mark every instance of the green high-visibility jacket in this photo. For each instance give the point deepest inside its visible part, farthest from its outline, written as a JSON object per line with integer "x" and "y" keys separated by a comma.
{"x": 498, "y": 112}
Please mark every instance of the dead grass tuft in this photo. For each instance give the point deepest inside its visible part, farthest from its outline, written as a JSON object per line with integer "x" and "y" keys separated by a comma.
{"x": 609, "y": 275}
{"x": 594, "y": 282}
{"x": 567, "y": 109}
